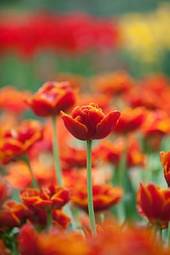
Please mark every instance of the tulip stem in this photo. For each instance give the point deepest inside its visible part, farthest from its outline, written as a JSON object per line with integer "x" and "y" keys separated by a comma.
{"x": 168, "y": 235}
{"x": 90, "y": 188}
{"x": 67, "y": 208}
{"x": 56, "y": 152}
{"x": 34, "y": 182}
{"x": 49, "y": 219}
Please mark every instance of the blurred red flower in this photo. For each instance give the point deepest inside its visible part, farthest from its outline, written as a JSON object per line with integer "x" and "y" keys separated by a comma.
{"x": 112, "y": 152}
{"x": 13, "y": 100}
{"x": 154, "y": 203}
{"x": 16, "y": 142}
{"x": 60, "y": 218}
{"x": 113, "y": 84}
{"x": 104, "y": 197}
{"x": 130, "y": 120}
{"x": 165, "y": 160}
{"x": 51, "y": 98}
{"x": 12, "y": 214}
{"x": 59, "y": 243}
{"x": 156, "y": 126}
{"x": 125, "y": 240}
{"x": 53, "y": 197}
{"x": 5, "y": 191}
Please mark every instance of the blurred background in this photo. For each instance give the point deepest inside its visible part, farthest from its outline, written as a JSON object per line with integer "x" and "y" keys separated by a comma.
{"x": 44, "y": 40}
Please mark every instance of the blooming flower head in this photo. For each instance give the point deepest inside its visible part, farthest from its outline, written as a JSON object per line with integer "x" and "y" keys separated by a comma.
{"x": 16, "y": 142}
{"x": 112, "y": 152}
{"x": 157, "y": 123}
{"x": 114, "y": 83}
{"x": 109, "y": 152}
{"x": 60, "y": 218}
{"x": 13, "y": 100}
{"x": 154, "y": 204}
{"x": 89, "y": 122}
{"x": 61, "y": 243}
{"x": 52, "y": 98}
{"x": 156, "y": 126}
{"x": 165, "y": 160}
{"x": 48, "y": 197}
{"x": 130, "y": 120}
{"x": 104, "y": 197}
{"x": 12, "y": 214}
{"x": 125, "y": 240}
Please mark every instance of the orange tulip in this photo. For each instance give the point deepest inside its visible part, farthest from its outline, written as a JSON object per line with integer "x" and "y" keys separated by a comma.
{"x": 12, "y": 214}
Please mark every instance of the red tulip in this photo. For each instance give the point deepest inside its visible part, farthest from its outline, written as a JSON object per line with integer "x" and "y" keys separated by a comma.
{"x": 165, "y": 160}
{"x": 51, "y": 98}
{"x": 89, "y": 122}
{"x": 104, "y": 197}
{"x": 154, "y": 204}
{"x": 16, "y": 142}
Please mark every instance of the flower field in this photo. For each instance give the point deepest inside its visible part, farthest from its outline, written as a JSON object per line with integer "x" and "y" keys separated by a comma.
{"x": 84, "y": 150}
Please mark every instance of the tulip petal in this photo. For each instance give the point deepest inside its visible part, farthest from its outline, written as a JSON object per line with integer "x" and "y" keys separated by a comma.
{"x": 106, "y": 125}
{"x": 145, "y": 202}
{"x": 157, "y": 200}
{"x": 76, "y": 128}
{"x": 166, "y": 210}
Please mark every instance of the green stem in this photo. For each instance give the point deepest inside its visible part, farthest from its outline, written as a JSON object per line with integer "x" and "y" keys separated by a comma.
{"x": 34, "y": 182}
{"x": 14, "y": 248}
{"x": 90, "y": 188}
{"x": 49, "y": 218}
{"x": 67, "y": 208}
{"x": 56, "y": 153}
{"x": 168, "y": 235}
{"x": 68, "y": 211}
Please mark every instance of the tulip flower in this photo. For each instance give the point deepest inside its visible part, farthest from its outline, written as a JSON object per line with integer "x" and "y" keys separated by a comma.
{"x": 130, "y": 121}
{"x": 114, "y": 84}
{"x": 52, "y": 196}
{"x": 31, "y": 242}
{"x": 165, "y": 160}
{"x": 154, "y": 204}
{"x": 88, "y": 123}
{"x": 12, "y": 214}
{"x": 13, "y": 100}
{"x": 50, "y": 99}
{"x": 104, "y": 197}
{"x": 16, "y": 143}
{"x": 43, "y": 202}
